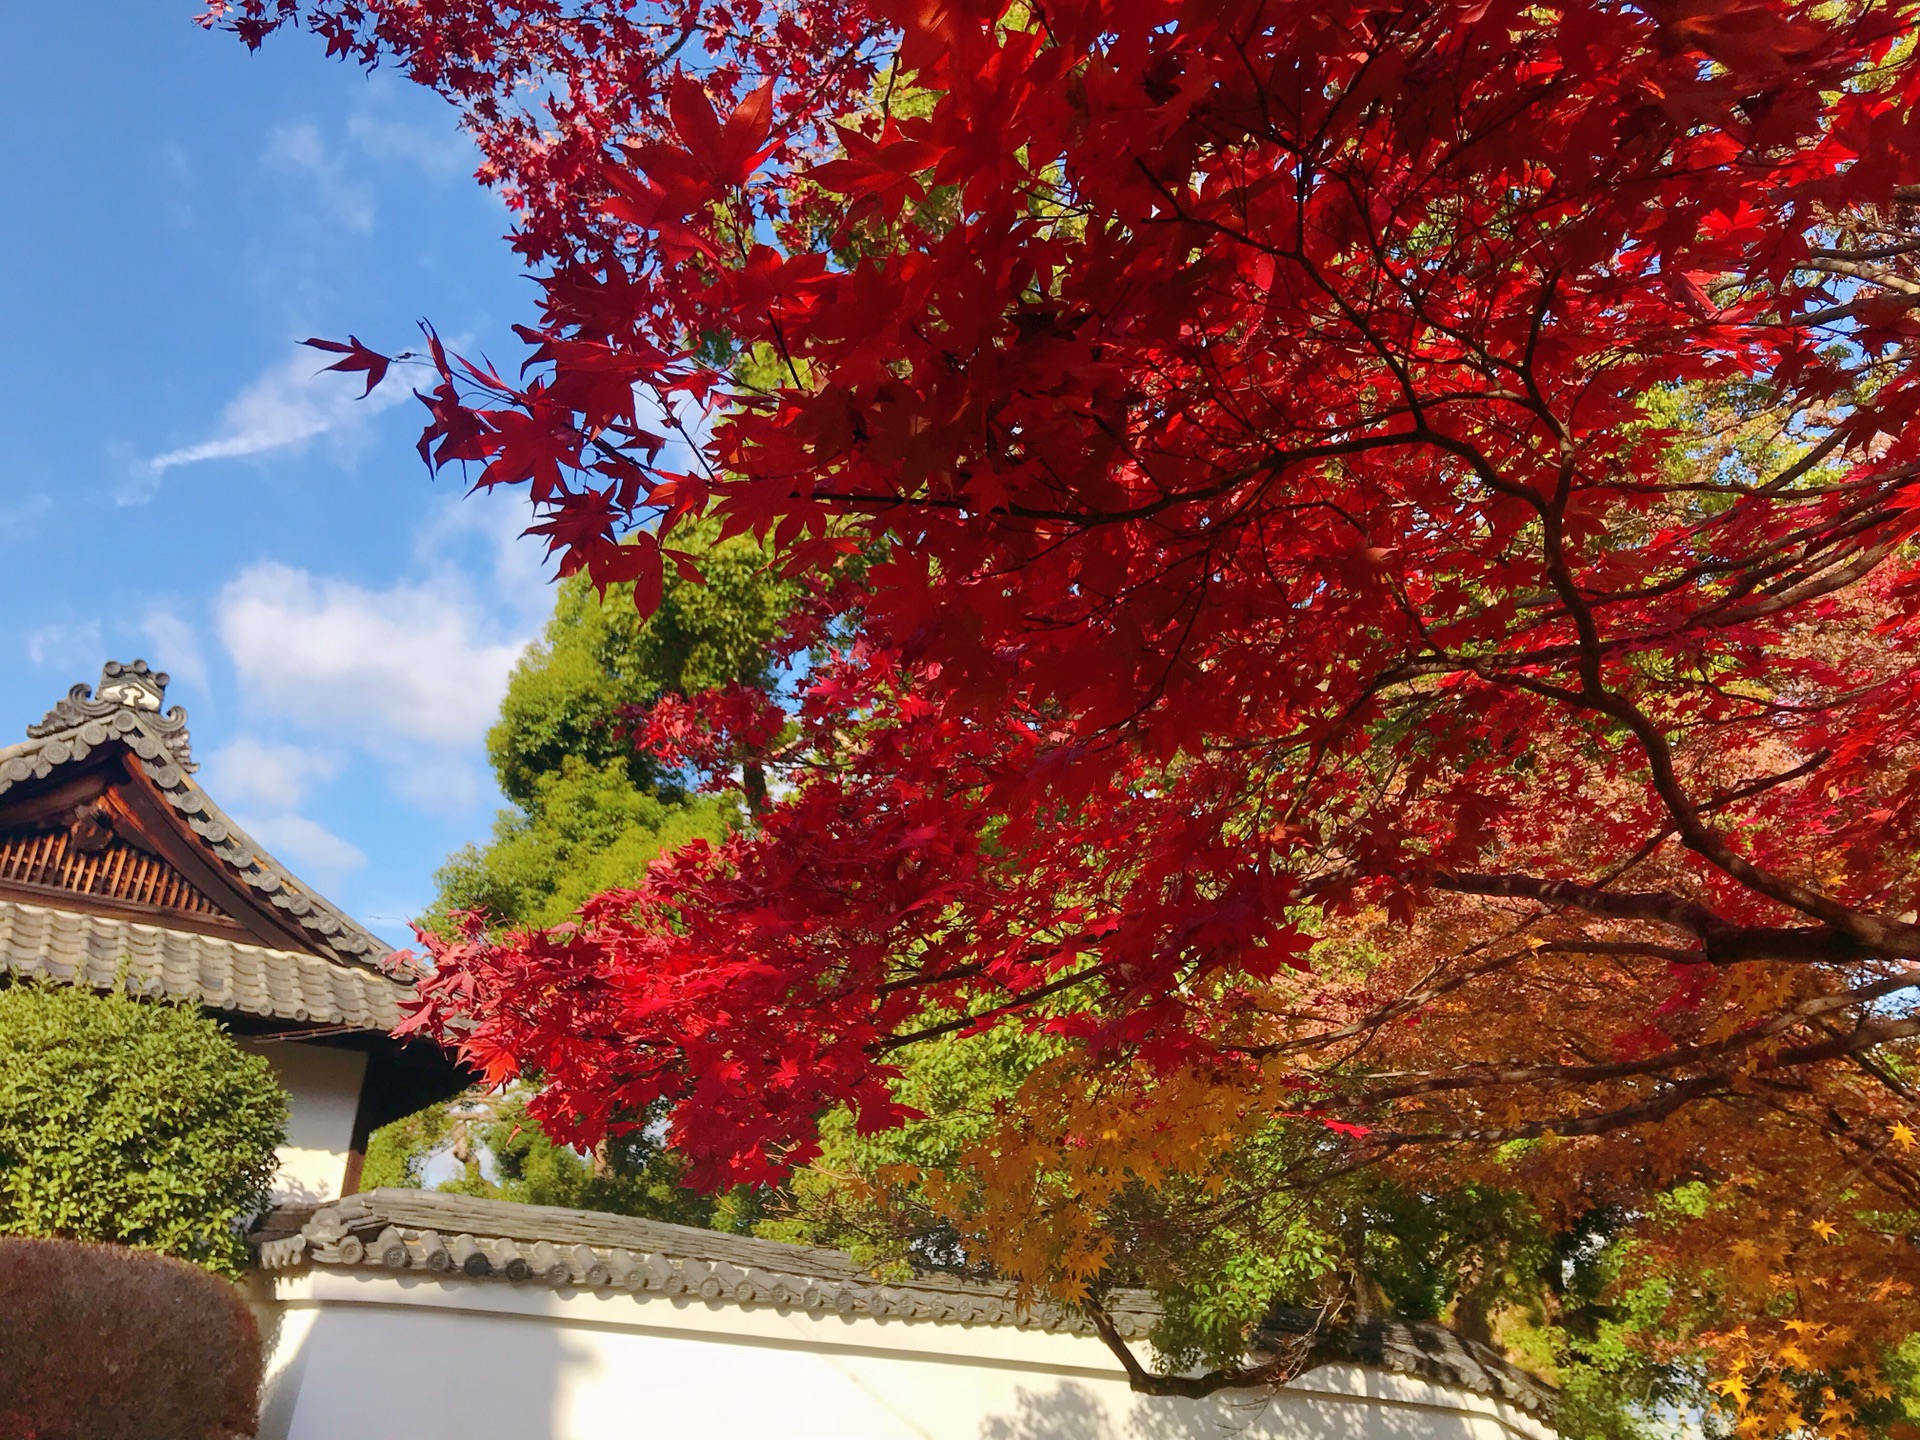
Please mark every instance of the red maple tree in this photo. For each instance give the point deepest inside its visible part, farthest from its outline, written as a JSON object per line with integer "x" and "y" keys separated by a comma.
{"x": 1255, "y": 465}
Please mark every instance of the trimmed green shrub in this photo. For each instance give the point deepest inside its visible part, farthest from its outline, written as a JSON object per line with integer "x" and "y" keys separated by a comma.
{"x": 132, "y": 1122}
{"x": 99, "y": 1342}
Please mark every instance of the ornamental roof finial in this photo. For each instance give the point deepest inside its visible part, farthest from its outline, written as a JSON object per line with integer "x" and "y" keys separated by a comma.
{"x": 137, "y": 686}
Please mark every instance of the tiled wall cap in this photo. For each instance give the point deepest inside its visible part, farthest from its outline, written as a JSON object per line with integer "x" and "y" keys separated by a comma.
{"x": 541, "y": 1245}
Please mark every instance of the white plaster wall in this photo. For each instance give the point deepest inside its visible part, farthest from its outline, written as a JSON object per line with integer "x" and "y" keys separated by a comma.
{"x": 324, "y": 1086}
{"x": 378, "y": 1356}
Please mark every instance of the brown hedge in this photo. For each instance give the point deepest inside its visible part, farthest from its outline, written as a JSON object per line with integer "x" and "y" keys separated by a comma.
{"x": 103, "y": 1342}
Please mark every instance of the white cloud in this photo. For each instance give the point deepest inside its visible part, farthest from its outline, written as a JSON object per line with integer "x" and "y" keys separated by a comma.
{"x": 444, "y": 152}
{"x": 299, "y": 150}
{"x": 71, "y": 645}
{"x": 313, "y": 851}
{"x": 441, "y": 783}
{"x": 418, "y": 660}
{"x": 486, "y": 531}
{"x": 334, "y": 672}
{"x": 261, "y": 775}
{"x": 173, "y": 167}
{"x": 290, "y": 404}
{"x": 175, "y": 647}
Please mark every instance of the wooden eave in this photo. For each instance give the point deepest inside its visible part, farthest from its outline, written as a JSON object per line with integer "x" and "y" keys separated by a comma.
{"x": 141, "y": 816}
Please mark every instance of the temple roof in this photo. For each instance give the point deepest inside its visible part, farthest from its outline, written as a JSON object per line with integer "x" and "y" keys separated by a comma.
{"x": 109, "y": 848}
{"x": 464, "y": 1238}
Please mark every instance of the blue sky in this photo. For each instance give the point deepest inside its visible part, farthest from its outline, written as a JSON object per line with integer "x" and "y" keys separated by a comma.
{"x": 178, "y": 483}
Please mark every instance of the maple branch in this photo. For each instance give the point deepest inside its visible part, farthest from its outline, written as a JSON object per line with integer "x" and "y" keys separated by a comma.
{"x": 1872, "y": 252}
{"x": 1871, "y": 1156}
{"x": 948, "y": 1027}
{"x": 1887, "y": 936}
{"x": 1868, "y": 1035}
{"x": 1659, "y": 1108}
{"x": 1872, "y": 274}
{"x": 1891, "y": 937}
{"x": 1285, "y": 1364}
{"x": 1885, "y": 1078}
{"x": 1850, "y": 309}
{"x": 1723, "y": 943}
{"x": 1478, "y": 1077}
{"x": 1272, "y": 464}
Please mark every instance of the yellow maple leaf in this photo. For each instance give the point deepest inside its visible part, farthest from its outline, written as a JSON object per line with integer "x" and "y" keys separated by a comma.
{"x": 1904, "y": 1137}
{"x": 1825, "y": 1229}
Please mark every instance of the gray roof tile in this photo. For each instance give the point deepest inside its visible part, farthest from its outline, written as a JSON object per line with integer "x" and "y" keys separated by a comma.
{"x": 108, "y": 954}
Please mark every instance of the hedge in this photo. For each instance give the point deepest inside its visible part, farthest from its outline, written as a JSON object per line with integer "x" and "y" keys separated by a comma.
{"x": 101, "y": 1342}
{"x": 133, "y": 1122}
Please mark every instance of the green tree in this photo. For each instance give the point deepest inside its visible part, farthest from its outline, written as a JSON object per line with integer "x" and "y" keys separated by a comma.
{"x": 132, "y": 1122}
{"x": 589, "y": 811}
{"x": 582, "y": 829}
{"x": 502, "y": 1154}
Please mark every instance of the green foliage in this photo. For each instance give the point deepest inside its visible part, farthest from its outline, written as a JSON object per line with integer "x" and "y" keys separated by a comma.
{"x": 1219, "y": 1256}
{"x": 589, "y": 811}
{"x": 398, "y": 1152}
{"x": 958, "y": 1085}
{"x": 635, "y": 1174}
{"x": 584, "y": 829}
{"x": 598, "y": 658}
{"x": 1597, "y": 1337}
{"x": 1904, "y": 1370}
{"x": 1221, "y": 1251}
{"x": 142, "y": 1124}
